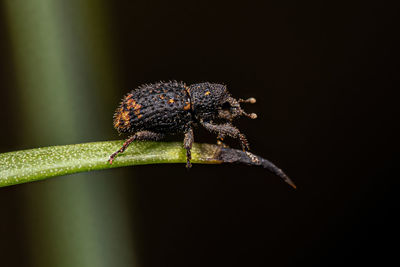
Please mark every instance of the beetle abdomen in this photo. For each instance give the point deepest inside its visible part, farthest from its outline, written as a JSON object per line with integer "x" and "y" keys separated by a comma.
{"x": 160, "y": 107}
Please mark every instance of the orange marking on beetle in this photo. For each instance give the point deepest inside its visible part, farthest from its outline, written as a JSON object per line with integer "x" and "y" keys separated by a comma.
{"x": 187, "y": 107}
{"x": 161, "y": 96}
{"x": 131, "y": 104}
{"x": 171, "y": 101}
{"x": 122, "y": 116}
{"x": 136, "y": 108}
{"x": 117, "y": 117}
{"x": 207, "y": 93}
{"x": 125, "y": 117}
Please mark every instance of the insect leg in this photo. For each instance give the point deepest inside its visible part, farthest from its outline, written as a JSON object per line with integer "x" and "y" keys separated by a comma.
{"x": 227, "y": 129}
{"x": 143, "y": 135}
{"x": 187, "y": 143}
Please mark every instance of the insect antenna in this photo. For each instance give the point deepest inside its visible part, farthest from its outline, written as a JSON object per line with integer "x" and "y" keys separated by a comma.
{"x": 250, "y": 100}
{"x": 251, "y": 115}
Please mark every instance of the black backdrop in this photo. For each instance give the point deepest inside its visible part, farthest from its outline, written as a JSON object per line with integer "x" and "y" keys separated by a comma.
{"x": 323, "y": 75}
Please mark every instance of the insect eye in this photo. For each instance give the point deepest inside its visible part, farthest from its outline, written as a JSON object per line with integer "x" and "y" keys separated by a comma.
{"x": 226, "y": 105}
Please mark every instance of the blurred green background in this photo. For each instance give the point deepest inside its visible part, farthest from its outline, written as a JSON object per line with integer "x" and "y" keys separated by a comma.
{"x": 64, "y": 79}
{"x": 323, "y": 75}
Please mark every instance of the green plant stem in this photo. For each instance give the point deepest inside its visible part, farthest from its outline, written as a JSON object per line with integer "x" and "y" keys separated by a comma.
{"x": 41, "y": 163}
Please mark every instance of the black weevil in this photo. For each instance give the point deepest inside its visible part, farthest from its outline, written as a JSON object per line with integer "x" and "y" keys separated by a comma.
{"x": 153, "y": 110}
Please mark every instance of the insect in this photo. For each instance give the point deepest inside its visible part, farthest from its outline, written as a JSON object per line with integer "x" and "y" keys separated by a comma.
{"x": 153, "y": 110}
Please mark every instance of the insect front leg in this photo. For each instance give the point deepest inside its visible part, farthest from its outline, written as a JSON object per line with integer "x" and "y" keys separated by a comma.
{"x": 232, "y": 131}
{"x": 227, "y": 129}
{"x": 187, "y": 144}
{"x": 141, "y": 136}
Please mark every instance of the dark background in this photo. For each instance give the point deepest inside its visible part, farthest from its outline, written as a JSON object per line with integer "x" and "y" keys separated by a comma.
{"x": 324, "y": 77}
